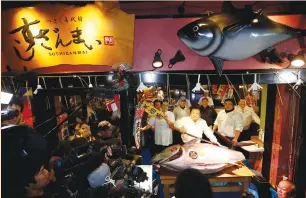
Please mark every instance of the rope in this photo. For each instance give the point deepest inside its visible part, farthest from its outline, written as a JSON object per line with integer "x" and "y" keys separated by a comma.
{"x": 278, "y": 76}
{"x": 47, "y": 98}
{"x": 244, "y": 85}
{"x": 168, "y": 87}
{"x": 4, "y": 85}
{"x": 12, "y": 81}
{"x": 233, "y": 88}
{"x": 209, "y": 85}
{"x": 60, "y": 81}
{"x": 188, "y": 86}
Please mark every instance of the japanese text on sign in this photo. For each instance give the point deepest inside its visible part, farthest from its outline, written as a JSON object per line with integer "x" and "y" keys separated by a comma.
{"x": 151, "y": 110}
{"x": 31, "y": 40}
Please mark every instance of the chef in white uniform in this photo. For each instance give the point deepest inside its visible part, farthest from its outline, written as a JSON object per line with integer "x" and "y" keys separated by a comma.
{"x": 229, "y": 123}
{"x": 210, "y": 100}
{"x": 195, "y": 126}
{"x": 182, "y": 110}
{"x": 161, "y": 127}
{"x": 249, "y": 116}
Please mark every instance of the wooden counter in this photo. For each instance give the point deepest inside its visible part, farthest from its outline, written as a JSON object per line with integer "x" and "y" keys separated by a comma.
{"x": 232, "y": 174}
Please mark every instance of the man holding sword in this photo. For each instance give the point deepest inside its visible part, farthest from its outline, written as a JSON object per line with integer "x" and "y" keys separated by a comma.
{"x": 192, "y": 127}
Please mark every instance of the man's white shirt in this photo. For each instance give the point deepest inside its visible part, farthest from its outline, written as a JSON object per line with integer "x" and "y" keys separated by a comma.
{"x": 188, "y": 103}
{"x": 248, "y": 116}
{"x": 229, "y": 122}
{"x": 180, "y": 113}
{"x": 195, "y": 128}
{"x": 162, "y": 133}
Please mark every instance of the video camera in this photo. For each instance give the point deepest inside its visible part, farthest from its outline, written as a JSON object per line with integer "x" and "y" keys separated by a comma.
{"x": 9, "y": 114}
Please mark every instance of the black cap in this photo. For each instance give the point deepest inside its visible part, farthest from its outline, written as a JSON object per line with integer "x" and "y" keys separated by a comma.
{"x": 229, "y": 100}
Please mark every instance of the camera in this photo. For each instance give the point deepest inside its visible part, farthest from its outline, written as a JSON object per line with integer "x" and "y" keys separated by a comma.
{"x": 9, "y": 114}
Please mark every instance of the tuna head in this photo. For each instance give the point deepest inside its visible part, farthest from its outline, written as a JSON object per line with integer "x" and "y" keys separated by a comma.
{"x": 202, "y": 36}
{"x": 169, "y": 154}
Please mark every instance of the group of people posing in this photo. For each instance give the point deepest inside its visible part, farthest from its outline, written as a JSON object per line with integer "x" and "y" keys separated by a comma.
{"x": 200, "y": 121}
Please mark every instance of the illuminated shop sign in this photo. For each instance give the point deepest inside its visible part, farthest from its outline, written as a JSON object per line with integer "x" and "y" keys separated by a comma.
{"x": 49, "y": 35}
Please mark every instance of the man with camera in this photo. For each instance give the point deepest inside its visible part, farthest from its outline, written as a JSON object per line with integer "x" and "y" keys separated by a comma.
{"x": 14, "y": 110}
{"x": 23, "y": 159}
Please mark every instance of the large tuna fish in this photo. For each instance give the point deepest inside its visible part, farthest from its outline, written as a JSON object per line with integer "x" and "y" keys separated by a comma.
{"x": 207, "y": 158}
{"x": 235, "y": 34}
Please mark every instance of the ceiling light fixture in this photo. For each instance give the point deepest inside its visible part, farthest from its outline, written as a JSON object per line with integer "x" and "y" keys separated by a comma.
{"x": 179, "y": 57}
{"x": 297, "y": 60}
{"x": 157, "y": 62}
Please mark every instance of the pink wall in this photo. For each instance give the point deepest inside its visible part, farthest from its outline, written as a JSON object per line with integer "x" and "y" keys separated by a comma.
{"x": 152, "y": 34}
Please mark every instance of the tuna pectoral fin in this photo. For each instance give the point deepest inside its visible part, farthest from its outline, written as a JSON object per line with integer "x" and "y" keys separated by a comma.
{"x": 270, "y": 55}
{"x": 218, "y": 64}
{"x": 233, "y": 29}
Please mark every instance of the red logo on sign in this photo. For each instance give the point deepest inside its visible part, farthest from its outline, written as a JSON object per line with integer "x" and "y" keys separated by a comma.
{"x": 108, "y": 40}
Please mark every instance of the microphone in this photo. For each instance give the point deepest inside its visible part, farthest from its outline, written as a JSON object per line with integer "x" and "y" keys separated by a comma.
{"x": 9, "y": 114}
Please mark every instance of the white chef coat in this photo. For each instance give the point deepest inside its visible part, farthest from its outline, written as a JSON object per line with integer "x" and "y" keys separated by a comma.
{"x": 229, "y": 122}
{"x": 162, "y": 133}
{"x": 195, "y": 128}
{"x": 248, "y": 116}
{"x": 210, "y": 101}
{"x": 180, "y": 113}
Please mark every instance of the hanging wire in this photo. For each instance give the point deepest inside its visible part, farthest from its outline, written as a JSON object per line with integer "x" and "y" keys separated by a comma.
{"x": 228, "y": 80}
{"x": 47, "y": 98}
{"x": 209, "y": 85}
{"x": 279, "y": 95}
{"x": 60, "y": 81}
{"x": 12, "y": 81}
{"x": 81, "y": 80}
{"x": 188, "y": 86}
{"x": 139, "y": 75}
{"x": 292, "y": 141}
{"x": 96, "y": 84}
{"x": 4, "y": 85}
{"x": 168, "y": 92}
{"x": 278, "y": 76}
{"x": 89, "y": 80}
{"x": 244, "y": 86}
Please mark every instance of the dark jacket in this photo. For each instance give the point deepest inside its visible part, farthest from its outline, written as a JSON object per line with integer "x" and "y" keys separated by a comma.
{"x": 209, "y": 115}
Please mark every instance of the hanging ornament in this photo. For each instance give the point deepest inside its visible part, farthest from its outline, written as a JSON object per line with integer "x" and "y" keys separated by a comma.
{"x": 255, "y": 87}
{"x": 141, "y": 86}
{"x": 38, "y": 87}
{"x": 299, "y": 81}
{"x": 198, "y": 86}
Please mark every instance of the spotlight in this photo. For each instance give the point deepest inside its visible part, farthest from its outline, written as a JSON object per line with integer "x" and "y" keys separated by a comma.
{"x": 179, "y": 57}
{"x": 297, "y": 60}
{"x": 157, "y": 62}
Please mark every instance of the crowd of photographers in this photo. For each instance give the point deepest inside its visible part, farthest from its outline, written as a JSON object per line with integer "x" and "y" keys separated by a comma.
{"x": 87, "y": 166}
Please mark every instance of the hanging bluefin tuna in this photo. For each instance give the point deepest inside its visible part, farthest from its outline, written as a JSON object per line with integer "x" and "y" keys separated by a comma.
{"x": 234, "y": 34}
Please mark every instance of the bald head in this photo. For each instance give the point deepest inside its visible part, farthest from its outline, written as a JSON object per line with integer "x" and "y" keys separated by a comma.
{"x": 286, "y": 189}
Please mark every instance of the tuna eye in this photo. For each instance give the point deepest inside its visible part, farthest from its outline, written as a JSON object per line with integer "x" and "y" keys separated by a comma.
{"x": 195, "y": 28}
